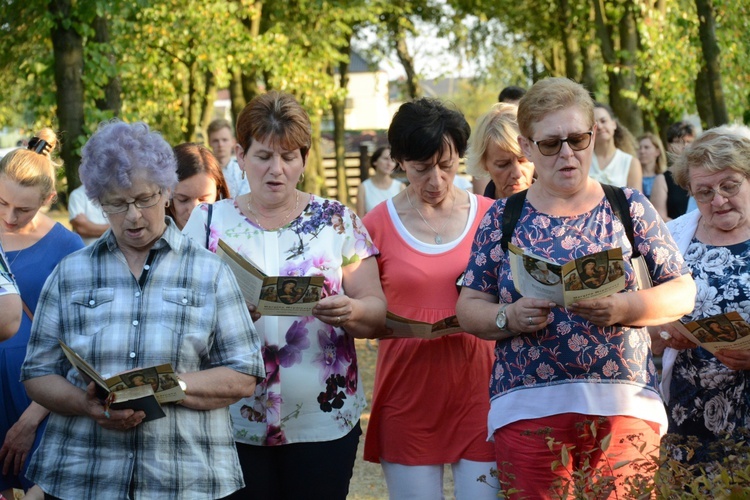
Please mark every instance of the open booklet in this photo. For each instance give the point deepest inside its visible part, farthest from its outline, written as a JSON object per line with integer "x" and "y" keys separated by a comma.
{"x": 398, "y": 327}
{"x": 144, "y": 389}
{"x": 272, "y": 295}
{"x": 596, "y": 275}
{"x": 723, "y": 331}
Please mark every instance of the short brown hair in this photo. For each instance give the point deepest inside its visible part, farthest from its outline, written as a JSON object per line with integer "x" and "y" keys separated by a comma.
{"x": 217, "y": 125}
{"x": 550, "y": 95}
{"x": 722, "y": 147}
{"x": 278, "y": 117}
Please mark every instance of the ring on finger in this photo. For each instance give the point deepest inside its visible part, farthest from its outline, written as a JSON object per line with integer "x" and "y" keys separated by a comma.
{"x": 338, "y": 320}
{"x": 531, "y": 321}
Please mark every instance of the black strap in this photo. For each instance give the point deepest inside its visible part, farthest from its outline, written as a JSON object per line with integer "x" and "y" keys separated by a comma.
{"x": 511, "y": 214}
{"x": 617, "y": 200}
{"x": 208, "y": 223}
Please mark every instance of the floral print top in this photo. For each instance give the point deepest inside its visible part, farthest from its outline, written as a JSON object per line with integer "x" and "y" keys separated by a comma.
{"x": 707, "y": 399}
{"x": 572, "y": 364}
{"x": 312, "y": 390}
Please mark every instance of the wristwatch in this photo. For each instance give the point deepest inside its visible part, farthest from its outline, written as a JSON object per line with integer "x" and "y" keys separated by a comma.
{"x": 501, "y": 320}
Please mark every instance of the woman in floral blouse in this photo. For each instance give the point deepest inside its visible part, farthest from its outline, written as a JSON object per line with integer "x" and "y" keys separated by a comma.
{"x": 559, "y": 372}
{"x": 297, "y": 436}
{"x": 708, "y": 395}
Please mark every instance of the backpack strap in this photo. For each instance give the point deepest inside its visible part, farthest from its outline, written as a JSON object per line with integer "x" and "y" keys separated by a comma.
{"x": 511, "y": 214}
{"x": 619, "y": 203}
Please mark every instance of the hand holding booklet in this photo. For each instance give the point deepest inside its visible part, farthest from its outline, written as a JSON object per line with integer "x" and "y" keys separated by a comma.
{"x": 272, "y": 295}
{"x": 143, "y": 389}
{"x": 722, "y": 331}
{"x": 596, "y": 275}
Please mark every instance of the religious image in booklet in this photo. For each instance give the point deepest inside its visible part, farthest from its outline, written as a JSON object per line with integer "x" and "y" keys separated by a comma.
{"x": 272, "y": 295}
{"x": 722, "y": 331}
{"x": 144, "y": 389}
{"x": 596, "y": 275}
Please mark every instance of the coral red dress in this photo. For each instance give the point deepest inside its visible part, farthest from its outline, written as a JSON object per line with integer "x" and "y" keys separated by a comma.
{"x": 430, "y": 401}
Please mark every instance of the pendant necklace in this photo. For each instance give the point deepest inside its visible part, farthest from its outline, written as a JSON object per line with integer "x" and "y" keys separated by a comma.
{"x": 283, "y": 221}
{"x": 438, "y": 238}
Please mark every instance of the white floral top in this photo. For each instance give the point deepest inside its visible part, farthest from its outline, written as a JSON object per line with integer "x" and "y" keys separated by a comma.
{"x": 312, "y": 390}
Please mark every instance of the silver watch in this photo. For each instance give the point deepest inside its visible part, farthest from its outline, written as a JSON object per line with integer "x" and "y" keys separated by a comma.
{"x": 501, "y": 320}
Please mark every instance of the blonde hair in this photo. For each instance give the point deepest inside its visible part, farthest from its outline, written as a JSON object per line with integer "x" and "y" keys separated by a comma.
{"x": 716, "y": 149}
{"x": 31, "y": 169}
{"x": 498, "y": 125}
{"x": 551, "y": 95}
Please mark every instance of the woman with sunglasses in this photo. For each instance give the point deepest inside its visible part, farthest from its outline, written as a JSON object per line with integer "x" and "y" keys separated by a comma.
{"x": 561, "y": 372}
{"x": 708, "y": 395}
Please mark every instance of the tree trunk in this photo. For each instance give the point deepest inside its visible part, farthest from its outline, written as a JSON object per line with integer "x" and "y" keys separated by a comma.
{"x": 250, "y": 87}
{"x": 626, "y": 108}
{"x": 338, "y": 108}
{"x": 192, "y": 109}
{"x": 235, "y": 93}
{"x": 402, "y": 51}
{"x": 588, "y": 77}
{"x": 112, "y": 100}
{"x": 570, "y": 43}
{"x": 67, "y": 47}
{"x": 207, "y": 104}
{"x": 707, "y": 34}
{"x": 703, "y": 98}
{"x": 314, "y": 173}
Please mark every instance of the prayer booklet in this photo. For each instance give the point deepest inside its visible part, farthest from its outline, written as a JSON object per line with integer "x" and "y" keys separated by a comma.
{"x": 143, "y": 389}
{"x": 272, "y": 295}
{"x": 398, "y": 326}
{"x": 596, "y": 275}
{"x": 722, "y": 331}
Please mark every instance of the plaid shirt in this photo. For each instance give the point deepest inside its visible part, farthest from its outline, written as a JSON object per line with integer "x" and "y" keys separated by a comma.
{"x": 7, "y": 283}
{"x": 190, "y": 313}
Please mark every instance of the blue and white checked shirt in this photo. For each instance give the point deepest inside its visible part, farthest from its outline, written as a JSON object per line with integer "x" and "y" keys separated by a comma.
{"x": 190, "y": 313}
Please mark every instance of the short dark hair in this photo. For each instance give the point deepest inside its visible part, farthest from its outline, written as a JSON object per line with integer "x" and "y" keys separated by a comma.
{"x": 511, "y": 94}
{"x": 679, "y": 130}
{"x": 421, "y": 128}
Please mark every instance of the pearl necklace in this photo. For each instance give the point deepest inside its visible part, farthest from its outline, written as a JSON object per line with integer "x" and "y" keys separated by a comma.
{"x": 283, "y": 221}
{"x": 438, "y": 238}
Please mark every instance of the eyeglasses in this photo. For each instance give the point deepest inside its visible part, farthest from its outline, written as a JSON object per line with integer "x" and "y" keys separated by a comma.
{"x": 120, "y": 207}
{"x": 577, "y": 142}
{"x": 727, "y": 190}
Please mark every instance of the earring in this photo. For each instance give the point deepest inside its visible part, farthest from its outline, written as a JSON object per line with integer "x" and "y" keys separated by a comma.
{"x": 243, "y": 175}
{"x": 301, "y": 178}
{"x": 168, "y": 203}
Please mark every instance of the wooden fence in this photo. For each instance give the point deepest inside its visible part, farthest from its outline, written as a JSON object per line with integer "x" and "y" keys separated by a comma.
{"x": 357, "y": 170}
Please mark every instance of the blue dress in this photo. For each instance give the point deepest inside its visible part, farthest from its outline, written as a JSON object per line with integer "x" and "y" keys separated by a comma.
{"x": 30, "y": 266}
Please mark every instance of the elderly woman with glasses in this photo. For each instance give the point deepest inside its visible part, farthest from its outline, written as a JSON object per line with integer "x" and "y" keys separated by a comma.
{"x": 142, "y": 295}
{"x": 708, "y": 395}
{"x": 561, "y": 372}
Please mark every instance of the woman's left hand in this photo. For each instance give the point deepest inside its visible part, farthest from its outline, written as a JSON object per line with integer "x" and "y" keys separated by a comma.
{"x": 334, "y": 310}
{"x": 734, "y": 359}
{"x": 603, "y": 311}
{"x": 18, "y": 442}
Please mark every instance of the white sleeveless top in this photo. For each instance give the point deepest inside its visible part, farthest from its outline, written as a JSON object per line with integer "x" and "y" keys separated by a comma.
{"x": 616, "y": 173}
{"x": 375, "y": 196}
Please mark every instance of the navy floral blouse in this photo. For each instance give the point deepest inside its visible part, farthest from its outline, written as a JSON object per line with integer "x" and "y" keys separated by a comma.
{"x": 707, "y": 399}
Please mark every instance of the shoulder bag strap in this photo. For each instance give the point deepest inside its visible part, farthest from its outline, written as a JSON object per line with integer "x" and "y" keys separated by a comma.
{"x": 621, "y": 208}
{"x": 208, "y": 223}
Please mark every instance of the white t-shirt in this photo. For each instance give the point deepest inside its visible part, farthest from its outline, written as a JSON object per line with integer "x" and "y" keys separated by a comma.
{"x": 79, "y": 203}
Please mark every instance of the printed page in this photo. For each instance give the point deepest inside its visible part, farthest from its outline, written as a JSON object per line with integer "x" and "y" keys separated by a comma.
{"x": 162, "y": 380}
{"x": 723, "y": 331}
{"x": 249, "y": 277}
{"x": 290, "y": 295}
{"x": 400, "y": 327}
{"x": 597, "y": 275}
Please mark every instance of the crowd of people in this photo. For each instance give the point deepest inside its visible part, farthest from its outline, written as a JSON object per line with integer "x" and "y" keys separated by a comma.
{"x": 272, "y": 399}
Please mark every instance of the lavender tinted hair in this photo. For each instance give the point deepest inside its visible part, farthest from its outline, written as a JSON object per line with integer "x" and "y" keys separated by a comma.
{"x": 118, "y": 152}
